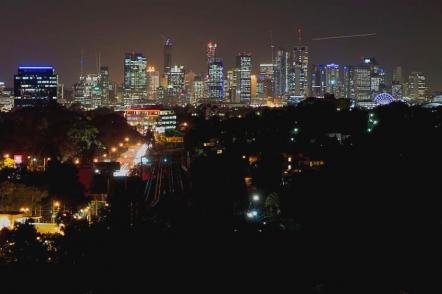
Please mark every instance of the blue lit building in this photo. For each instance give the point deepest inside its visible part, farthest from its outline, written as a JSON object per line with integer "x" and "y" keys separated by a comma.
{"x": 35, "y": 85}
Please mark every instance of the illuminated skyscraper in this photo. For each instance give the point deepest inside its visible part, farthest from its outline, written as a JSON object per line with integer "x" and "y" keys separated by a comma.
{"x": 254, "y": 82}
{"x": 348, "y": 82}
{"x": 35, "y": 85}
{"x": 88, "y": 92}
{"x": 417, "y": 86}
{"x": 333, "y": 80}
{"x": 215, "y": 81}
{"x": 198, "y": 88}
{"x": 153, "y": 82}
{"x": 175, "y": 81}
{"x": 281, "y": 73}
{"x": 231, "y": 85}
{"x": 300, "y": 59}
{"x": 369, "y": 80}
{"x": 105, "y": 85}
{"x": 397, "y": 88}
{"x": 318, "y": 81}
{"x": 168, "y": 45}
{"x": 264, "y": 87}
{"x": 135, "y": 79}
{"x": 244, "y": 84}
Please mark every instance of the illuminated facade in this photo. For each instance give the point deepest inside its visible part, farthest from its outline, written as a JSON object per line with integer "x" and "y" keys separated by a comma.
{"x": 281, "y": 73}
{"x": 397, "y": 88}
{"x": 88, "y": 92}
{"x": 175, "y": 81}
{"x": 105, "y": 85}
{"x": 244, "y": 84}
{"x": 151, "y": 119}
{"x": 319, "y": 81}
{"x": 215, "y": 82}
{"x": 333, "y": 80}
{"x": 264, "y": 86}
{"x": 348, "y": 82}
{"x": 362, "y": 83}
{"x": 211, "y": 51}
{"x": 198, "y": 88}
{"x": 35, "y": 85}
{"x": 300, "y": 59}
{"x": 417, "y": 86}
{"x": 135, "y": 79}
{"x": 153, "y": 82}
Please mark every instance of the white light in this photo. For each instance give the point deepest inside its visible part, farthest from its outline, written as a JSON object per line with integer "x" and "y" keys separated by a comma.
{"x": 255, "y": 198}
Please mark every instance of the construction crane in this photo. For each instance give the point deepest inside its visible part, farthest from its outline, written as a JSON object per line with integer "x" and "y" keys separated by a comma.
{"x": 345, "y": 37}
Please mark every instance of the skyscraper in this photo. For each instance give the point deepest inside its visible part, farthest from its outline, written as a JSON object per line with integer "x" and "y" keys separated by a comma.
{"x": 333, "y": 79}
{"x": 369, "y": 80}
{"x": 175, "y": 81}
{"x": 168, "y": 45}
{"x": 215, "y": 81}
{"x": 264, "y": 87}
{"x": 397, "y": 90}
{"x": 300, "y": 60}
{"x": 244, "y": 67}
{"x": 231, "y": 85}
{"x": 281, "y": 73}
{"x": 198, "y": 88}
{"x": 88, "y": 92}
{"x": 135, "y": 79}
{"x": 105, "y": 85}
{"x": 153, "y": 82}
{"x": 318, "y": 81}
{"x": 35, "y": 85}
{"x": 348, "y": 82}
{"x": 417, "y": 86}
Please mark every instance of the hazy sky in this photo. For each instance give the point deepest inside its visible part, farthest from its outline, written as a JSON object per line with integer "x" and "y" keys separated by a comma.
{"x": 55, "y": 31}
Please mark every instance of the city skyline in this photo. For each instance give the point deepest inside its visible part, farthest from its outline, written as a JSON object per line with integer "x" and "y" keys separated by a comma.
{"x": 397, "y": 26}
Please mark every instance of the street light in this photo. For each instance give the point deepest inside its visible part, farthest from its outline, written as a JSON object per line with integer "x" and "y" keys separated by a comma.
{"x": 126, "y": 139}
{"x": 121, "y": 144}
{"x": 256, "y": 198}
{"x": 114, "y": 149}
{"x": 6, "y": 155}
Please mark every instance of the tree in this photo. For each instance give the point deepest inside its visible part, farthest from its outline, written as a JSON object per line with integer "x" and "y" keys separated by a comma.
{"x": 14, "y": 196}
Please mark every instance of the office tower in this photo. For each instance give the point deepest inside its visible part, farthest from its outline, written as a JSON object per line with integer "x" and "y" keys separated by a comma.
{"x": 318, "y": 81}
{"x": 264, "y": 86}
{"x": 300, "y": 59}
{"x": 135, "y": 79}
{"x": 254, "y": 82}
{"x": 231, "y": 86}
{"x": 211, "y": 51}
{"x": 215, "y": 82}
{"x": 35, "y": 85}
{"x": 417, "y": 86}
{"x": 189, "y": 78}
{"x": 348, "y": 82}
{"x": 2, "y": 87}
{"x": 168, "y": 45}
{"x": 153, "y": 82}
{"x": 88, "y": 92}
{"x": 105, "y": 85}
{"x": 198, "y": 88}
{"x": 397, "y": 90}
{"x": 175, "y": 82}
{"x": 244, "y": 84}
{"x": 377, "y": 76}
{"x": 333, "y": 80}
{"x": 281, "y": 73}
{"x": 362, "y": 83}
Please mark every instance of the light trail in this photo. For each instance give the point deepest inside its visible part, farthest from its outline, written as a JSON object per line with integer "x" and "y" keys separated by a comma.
{"x": 345, "y": 37}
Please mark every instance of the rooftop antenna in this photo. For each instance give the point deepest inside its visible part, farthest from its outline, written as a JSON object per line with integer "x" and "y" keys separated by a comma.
{"x": 98, "y": 62}
{"x": 272, "y": 47}
{"x": 81, "y": 62}
{"x": 300, "y": 35}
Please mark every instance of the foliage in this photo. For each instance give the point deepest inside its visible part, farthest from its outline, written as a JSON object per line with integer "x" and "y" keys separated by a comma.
{"x": 14, "y": 196}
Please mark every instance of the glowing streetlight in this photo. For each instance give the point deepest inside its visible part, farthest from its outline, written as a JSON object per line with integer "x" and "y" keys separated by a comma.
{"x": 126, "y": 139}
{"x": 256, "y": 198}
{"x": 77, "y": 161}
{"x": 114, "y": 149}
{"x": 121, "y": 145}
{"x": 56, "y": 204}
{"x": 95, "y": 160}
{"x": 6, "y": 155}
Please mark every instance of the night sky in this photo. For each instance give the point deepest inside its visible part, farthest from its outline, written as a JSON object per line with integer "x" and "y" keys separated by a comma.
{"x": 54, "y": 31}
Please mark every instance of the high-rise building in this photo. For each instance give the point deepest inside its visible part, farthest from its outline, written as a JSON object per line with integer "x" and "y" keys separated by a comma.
{"x": 198, "y": 88}
{"x": 333, "y": 79}
{"x": 318, "y": 81}
{"x": 176, "y": 81}
{"x": 281, "y": 73}
{"x": 300, "y": 59}
{"x": 254, "y": 82}
{"x": 362, "y": 83}
{"x": 135, "y": 79}
{"x": 35, "y": 85}
{"x": 87, "y": 91}
{"x": 417, "y": 86}
{"x": 105, "y": 85}
{"x": 215, "y": 82}
{"x": 264, "y": 86}
{"x": 244, "y": 84}
{"x": 348, "y": 82}
{"x": 397, "y": 88}
{"x": 153, "y": 82}
{"x": 168, "y": 45}
{"x": 231, "y": 86}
